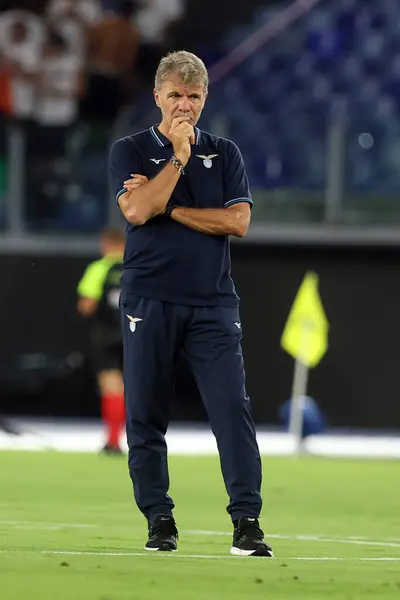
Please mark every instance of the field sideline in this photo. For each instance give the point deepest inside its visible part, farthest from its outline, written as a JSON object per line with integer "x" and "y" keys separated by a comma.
{"x": 69, "y": 529}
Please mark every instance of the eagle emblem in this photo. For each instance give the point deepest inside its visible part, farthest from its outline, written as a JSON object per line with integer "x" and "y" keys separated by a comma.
{"x": 133, "y": 321}
{"x": 207, "y": 160}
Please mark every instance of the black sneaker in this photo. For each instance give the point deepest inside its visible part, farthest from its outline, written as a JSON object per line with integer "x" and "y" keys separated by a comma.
{"x": 163, "y": 534}
{"x": 248, "y": 539}
{"x": 112, "y": 450}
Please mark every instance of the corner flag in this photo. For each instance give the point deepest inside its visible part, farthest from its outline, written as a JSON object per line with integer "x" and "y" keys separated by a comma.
{"x": 305, "y": 336}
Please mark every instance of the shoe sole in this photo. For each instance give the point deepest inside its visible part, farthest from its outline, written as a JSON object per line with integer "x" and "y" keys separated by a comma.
{"x": 161, "y": 549}
{"x": 261, "y": 551}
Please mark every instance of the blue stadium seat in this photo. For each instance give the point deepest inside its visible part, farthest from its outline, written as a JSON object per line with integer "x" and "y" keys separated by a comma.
{"x": 278, "y": 104}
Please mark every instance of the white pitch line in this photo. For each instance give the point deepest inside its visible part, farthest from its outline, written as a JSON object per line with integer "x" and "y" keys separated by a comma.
{"x": 310, "y": 538}
{"x": 161, "y": 554}
{"x": 353, "y": 540}
{"x": 47, "y": 525}
{"x": 369, "y": 559}
{"x": 305, "y": 538}
{"x": 148, "y": 554}
{"x": 176, "y": 556}
{"x": 219, "y": 556}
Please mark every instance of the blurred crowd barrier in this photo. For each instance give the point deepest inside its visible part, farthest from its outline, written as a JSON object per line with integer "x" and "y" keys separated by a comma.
{"x": 314, "y": 110}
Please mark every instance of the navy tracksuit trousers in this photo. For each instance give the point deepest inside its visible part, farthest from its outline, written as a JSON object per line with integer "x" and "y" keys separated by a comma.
{"x": 210, "y": 338}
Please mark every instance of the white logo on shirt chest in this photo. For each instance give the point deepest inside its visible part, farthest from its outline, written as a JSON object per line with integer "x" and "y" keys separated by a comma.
{"x": 207, "y": 160}
{"x": 157, "y": 160}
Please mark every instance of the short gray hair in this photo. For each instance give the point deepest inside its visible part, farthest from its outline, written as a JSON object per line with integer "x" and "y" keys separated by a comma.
{"x": 187, "y": 66}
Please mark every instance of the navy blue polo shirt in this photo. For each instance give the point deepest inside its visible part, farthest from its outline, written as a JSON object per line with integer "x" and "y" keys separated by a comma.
{"x": 163, "y": 259}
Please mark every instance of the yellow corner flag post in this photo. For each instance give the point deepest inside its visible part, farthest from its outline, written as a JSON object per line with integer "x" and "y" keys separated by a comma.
{"x": 305, "y": 337}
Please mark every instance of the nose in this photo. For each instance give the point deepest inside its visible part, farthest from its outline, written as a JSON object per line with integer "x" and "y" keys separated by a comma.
{"x": 184, "y": 104}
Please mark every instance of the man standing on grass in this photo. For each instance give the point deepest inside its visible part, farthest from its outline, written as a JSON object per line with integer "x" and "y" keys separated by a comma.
{"x": 183, "y": 192}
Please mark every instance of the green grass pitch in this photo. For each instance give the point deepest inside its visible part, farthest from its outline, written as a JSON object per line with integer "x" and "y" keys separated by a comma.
{"x": 69, "y": 530}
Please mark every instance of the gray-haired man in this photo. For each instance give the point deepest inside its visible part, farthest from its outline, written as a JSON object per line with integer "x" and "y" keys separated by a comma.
{"x": 183, "y": 192}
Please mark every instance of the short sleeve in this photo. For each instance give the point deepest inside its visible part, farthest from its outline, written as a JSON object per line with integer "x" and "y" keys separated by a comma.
{"x": 92, "y": 283}
{"x": 236, "y": 183}
{"x": 124, "y": 160}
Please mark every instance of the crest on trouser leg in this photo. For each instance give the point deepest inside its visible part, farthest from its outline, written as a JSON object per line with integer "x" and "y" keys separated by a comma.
{"x": 133, "y": 321}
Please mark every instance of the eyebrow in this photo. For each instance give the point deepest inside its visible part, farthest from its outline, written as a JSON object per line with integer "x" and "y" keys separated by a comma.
{"x": 175, "y": 92}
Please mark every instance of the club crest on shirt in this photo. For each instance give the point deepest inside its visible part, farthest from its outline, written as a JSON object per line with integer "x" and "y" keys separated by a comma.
{"x": 207, "y": 160}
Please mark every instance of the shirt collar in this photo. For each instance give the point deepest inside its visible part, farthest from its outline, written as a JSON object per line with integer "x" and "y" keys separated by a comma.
{"x": 161, "y": 140}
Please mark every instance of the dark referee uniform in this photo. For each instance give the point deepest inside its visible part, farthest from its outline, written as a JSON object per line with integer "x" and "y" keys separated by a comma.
{"x": 178, "y": 295}
{"x": 101, "y": 281}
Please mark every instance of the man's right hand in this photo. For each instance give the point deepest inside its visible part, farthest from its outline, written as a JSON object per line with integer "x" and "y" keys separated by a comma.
{"x": 182, "y": 136}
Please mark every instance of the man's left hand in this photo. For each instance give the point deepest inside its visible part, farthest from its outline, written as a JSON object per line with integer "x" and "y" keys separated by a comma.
{"x": 136, "y": 181}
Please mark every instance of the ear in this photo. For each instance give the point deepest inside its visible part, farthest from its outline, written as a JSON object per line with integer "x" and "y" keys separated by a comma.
{"x": 156, "y": 97}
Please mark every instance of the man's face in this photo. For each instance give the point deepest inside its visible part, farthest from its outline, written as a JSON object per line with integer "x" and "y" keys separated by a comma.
{"x": 175, "y": 99}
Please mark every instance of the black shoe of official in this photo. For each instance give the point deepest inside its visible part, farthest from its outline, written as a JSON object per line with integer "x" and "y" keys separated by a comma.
{"x": 248, "y": 539}
{"x": 111, "y": 450}
{"x": 163, "y": 534}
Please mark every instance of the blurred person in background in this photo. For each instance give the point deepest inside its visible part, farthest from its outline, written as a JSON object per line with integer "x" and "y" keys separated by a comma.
{"x": 178, "y": 295}
{"x": 87, "y": 12}
{"x": 99, "y": 291}
{"x": 72, "y": 19}
{"x": 22, "y": 35}
{"x": 111, "y": 52}
{"x": 155, "y": 16}
{"x": 59, "y": 84}
{"x": 153, "y": 20}
{"x": 21, "y": 41}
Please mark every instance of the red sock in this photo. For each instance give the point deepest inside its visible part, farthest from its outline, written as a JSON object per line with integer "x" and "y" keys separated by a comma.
{"x": 113, "y": 415}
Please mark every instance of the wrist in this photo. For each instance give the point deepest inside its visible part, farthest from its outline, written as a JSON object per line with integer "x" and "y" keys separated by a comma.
{"x": 168, "y": 210}
{"x": 182, "y": 158}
